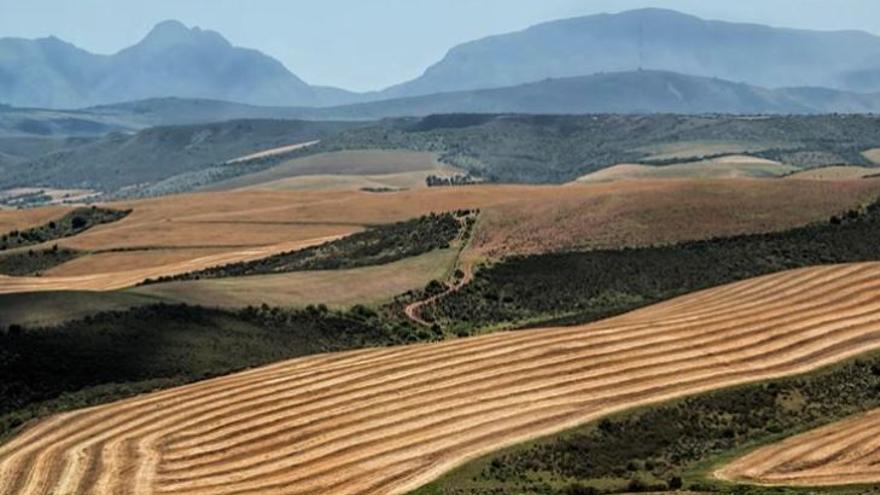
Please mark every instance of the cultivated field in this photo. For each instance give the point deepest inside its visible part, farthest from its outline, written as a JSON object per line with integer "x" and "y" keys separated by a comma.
{"x": 723, "y": 167}
{"x": 841, "y": 172}
{"x": 842, "y": 453}
{"x": 388, "y": 420}
{"x": 273, "y": 151}
{"x": 111, "y": 280}
{"x": 162, "y": 235}
{"x": 335, "y": 288}
{"x": 873, "y": 155}
{"x": 343, "y": 163}
{"x": 693, "y": 149}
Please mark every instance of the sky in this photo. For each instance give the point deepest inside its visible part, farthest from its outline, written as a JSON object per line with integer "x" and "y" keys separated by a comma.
{"x": 364, "y": 45}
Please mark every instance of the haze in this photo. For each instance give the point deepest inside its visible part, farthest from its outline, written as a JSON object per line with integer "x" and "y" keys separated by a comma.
{"x": 359, "y": 45}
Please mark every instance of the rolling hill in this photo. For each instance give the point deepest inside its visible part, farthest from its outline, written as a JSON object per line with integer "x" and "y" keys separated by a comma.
{"x": 119, "y": 160}
{"x": 655, "y": 39}
{"x": 388, "y": 420}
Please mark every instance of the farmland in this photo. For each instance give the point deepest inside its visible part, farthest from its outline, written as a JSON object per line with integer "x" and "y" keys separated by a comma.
{"x": 233, "y": 433}
{"x": 842, "y": 453}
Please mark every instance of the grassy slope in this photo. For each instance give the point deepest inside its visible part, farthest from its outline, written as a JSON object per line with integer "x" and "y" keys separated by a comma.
{"x": 350, "y": 162}
{"x": 337, "y": 288}
{"x": 583, "y": 286}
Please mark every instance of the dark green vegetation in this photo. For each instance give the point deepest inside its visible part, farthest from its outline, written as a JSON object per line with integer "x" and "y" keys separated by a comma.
{"x": 30, "y": 262}
{"x": 584, "y": 286}
{"x": 673, "y": 445}
{"x": 374, "y": 246}
{"x": 499, "y": 148}
{"x": 116, "y": 354}
{"x": 73, "y": 223}
{"x": 560, "y": 148}
{"x": 119, "y": 160}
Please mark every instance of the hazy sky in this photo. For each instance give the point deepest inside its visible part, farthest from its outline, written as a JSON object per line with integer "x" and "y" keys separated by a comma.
{"x": 370, "y": 44}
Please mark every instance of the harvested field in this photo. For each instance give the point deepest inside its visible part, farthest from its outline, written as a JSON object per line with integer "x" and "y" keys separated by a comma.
{"x": 646, "y": 212}
{"x": 724, "y": 167}
{"x": 837, "y": 172}
{"x": 403, "y": 180}
{"x": 274, "y": 151}
{"x": 873, "y": 155}
{"x": 32, "y": 217}
{"x": 388, "y": 420}
{"x": 130, "y": 260}
{"x": 161, "y": 233}
{"x": 356, "y": 162}
{"x": 843, "y": 453}
{"x": 335, "y": 288}
{"x": 695, "y": 149}
{"x": 112, "y": 280}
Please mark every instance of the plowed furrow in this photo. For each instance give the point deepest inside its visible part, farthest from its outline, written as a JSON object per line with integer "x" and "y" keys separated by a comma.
{"x": 385, "y": 420}
{"x": 846, "y": 452}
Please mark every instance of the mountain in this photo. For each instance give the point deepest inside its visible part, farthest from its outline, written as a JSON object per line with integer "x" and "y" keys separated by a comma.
{"x": 172, "y": 60}
{"x": 660, "y": 40}
{"x": 642, "y": 91}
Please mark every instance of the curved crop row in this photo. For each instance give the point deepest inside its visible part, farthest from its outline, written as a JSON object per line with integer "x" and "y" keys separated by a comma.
{"x": 388, "y": 420}
{"x": 842, "y": 453}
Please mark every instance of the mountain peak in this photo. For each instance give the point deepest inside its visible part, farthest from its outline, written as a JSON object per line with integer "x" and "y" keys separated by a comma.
{"x": 167, "y": 30}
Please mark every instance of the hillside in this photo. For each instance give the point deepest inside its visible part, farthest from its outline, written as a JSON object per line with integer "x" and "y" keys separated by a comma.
{"x": 120, "y": 160}
{"x": 347, "y": 423}
{"x": 172, "y": 60}
{"x": 654, "y": 39}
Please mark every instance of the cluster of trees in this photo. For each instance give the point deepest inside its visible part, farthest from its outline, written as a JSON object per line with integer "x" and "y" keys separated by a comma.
{"x": 33, "y": 261}
{"x": 70, "y": 224}
{"x": 452, "y": 180}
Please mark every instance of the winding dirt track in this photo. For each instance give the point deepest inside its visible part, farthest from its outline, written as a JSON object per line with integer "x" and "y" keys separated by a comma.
{"x": 843, "y": 453}
{"x": 388, "y": 420}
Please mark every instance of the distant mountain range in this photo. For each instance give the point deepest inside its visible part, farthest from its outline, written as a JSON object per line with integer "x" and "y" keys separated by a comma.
{"x": 657, "y": 39}
{"x": 619, "y": 92}
{"x": 172, "y": 60}
{"x": 648, "y": 60}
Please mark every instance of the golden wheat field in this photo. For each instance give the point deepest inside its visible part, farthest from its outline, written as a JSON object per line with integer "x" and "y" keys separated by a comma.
{"x": 390, "y": 419}
{"x": 846, "y": 452}
{"x": 168, "y": 235}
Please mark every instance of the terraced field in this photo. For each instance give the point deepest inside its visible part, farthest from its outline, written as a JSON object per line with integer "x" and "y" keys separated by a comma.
{"x": 843, "y": 453}
{"x": 388, "y": 420}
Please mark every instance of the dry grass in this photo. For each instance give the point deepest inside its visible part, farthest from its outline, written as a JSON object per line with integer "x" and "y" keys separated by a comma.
{"x": 842, "y": 453}
{"x": 692, "y": 149}
{"x": 873, "y": 155}
{"x": 32, "y": 217}
{"x": 274, "y": 151}
{"x": 645, "y": 212}
{"x": 188, "y": 229}
{"x": 335, "y": 288}
{"x": 113, "y": 279}
{"x": 355, "y": 162}
{"x": 388, "y": 420}
{"x": 733, "y": 166}
{"x": 402, "y": 180}
{"x": 838, "y": 172}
